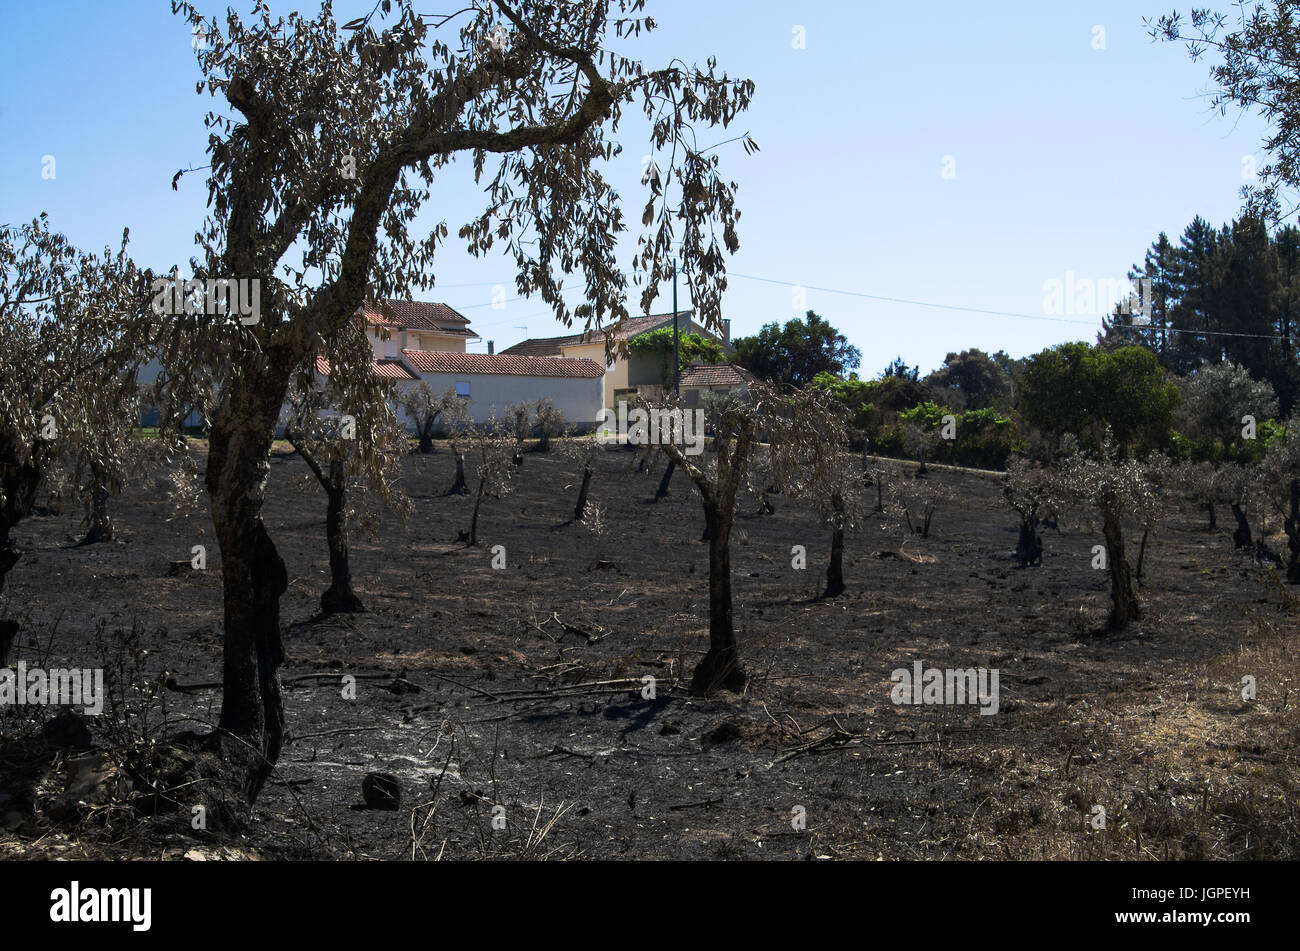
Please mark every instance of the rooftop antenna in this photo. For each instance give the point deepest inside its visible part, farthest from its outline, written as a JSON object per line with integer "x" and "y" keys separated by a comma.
{"x": 523, "y": 327}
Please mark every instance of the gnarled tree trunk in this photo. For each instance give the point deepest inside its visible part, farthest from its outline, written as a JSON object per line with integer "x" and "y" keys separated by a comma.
{"x": 426, "y": 436}
{"x": 720, "y": 667}
{"x": 478, "y": 502}
{"x": 253, "y": 575}
{"x": 458, "y": 487}
{"x": 835, "y": 570}
{"x": 339, "y": 598}
{"x": 1241, "y": 538}
{"x": 580, "y": 509}
{"x": 100, "y": 527}
{"x": 662, "y": 491}
{"x": 1124, "y": 602}
{"x": 21, "y": 480}
{"x": 1029, "y": 548}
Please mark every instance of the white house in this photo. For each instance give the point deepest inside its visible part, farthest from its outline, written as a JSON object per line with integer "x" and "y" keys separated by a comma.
{"x": 492, "y": 382}
{"x": 423, "y": 340}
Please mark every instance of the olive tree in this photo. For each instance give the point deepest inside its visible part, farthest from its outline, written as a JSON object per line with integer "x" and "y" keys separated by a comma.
{"x": 492, "y": 449}
{"x": 1281, "y": 471}
{"x": 1122, "y": 490}
{"x": 424, "y": 408}
{"x": 324, "y": 144}
{"x": 1030, "y": 491}
{"x": 1203, "y": 484}
{"x": 738, "y": 420}
{"x": 810, "y": 460}
{"x": 1216, "y": 398}
{"x": 344, "y": 429}
{"x": 73, "y": 328}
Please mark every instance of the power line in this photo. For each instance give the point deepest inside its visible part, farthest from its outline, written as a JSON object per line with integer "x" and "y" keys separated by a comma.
{"x": 932, "y": 304}
{"x": 993, "y": 313}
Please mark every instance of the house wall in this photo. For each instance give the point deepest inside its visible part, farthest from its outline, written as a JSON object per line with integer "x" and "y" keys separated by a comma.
{"x": 580, "y": 399}
{"x": 383, "y": 348}
{"x": 616, "y": 373}
{"x": 419, "y": 340}
{"x": 411, "y": 340}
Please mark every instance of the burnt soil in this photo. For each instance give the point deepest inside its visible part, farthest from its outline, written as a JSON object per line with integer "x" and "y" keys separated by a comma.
{"x": 481, "y": 688}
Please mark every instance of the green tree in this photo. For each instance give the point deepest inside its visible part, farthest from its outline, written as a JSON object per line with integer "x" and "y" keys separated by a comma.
{"x": 973, "y": 374}
{"x": 1081, "y": 389}
{"x": 797, "y": 352}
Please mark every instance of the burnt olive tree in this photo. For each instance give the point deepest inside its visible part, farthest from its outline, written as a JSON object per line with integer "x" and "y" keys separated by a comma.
{"x": 73, "y": 328}
{"x": 324, "y": 144}
{"x": 738, "y": 420}
{"x": 810, "y": 460}
{"x": 1281, "y": 478}
{"x": 1030, "y": 491}
{"x": 1122, "y": 490}
{"x": 425, "y": 408}
{"x": 344, "y": 429}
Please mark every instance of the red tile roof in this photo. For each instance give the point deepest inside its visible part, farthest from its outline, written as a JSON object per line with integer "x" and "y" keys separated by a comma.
{"x": 433, "y": 361}
{"x": 722, "y": 374}
{"x": 389, "y": 369}
{"x": 427, "y": 316}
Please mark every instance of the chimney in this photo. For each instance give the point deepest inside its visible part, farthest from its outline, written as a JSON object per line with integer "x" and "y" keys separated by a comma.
{"x": 726, "y": 330}
{"x": 491, "y": 348}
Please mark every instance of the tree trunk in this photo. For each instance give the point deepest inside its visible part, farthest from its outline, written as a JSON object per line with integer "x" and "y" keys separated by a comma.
{"x": 1293, "y": 534}
{"x": 458, "y": 487}
{"x": 1241, "y": 538}
{"x": 252, "y": 574}
{"x": 720, "y": 668}
{"x": 1213, "y": 519}
{"x": 1124, "y": 603}
{"x": 8, "y": 634}
{"x": 1142, "y": 553}
{"x": 20, "y": 481}
{"x": 473, "y": 522}
{"x": 1029, "y": 549}
{"x": 580, "y": 509}
{"x": 835, "y": 570}
{"x": 9, "y": 555}
{"x": 100, "y": 528}
{"x": 426, "y": 438}
{"x": 339, "y": 598}
{"x": 662, "y": 492}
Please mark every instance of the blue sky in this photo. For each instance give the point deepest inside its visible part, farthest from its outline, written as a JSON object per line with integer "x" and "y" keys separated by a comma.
{"x": 1067, "y": 158}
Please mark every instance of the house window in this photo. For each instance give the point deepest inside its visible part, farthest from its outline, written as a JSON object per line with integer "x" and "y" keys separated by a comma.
{"x": 462, "y": 389}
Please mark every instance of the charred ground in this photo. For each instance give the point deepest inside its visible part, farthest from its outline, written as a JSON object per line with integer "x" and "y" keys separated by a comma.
{"x": 522, "y": 687}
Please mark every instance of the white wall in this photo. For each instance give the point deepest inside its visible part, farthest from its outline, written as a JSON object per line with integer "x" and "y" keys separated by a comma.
{"x": 580, "y": 399}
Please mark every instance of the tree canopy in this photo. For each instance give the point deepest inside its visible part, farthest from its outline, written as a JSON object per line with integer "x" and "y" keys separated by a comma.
{"x": 797, "y": 352}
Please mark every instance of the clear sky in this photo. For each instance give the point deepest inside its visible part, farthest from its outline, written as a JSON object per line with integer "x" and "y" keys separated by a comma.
{"x": 954, "y": 153}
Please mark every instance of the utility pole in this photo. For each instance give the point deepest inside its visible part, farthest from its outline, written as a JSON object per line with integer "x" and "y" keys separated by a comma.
{"x": 677, "y": 366}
